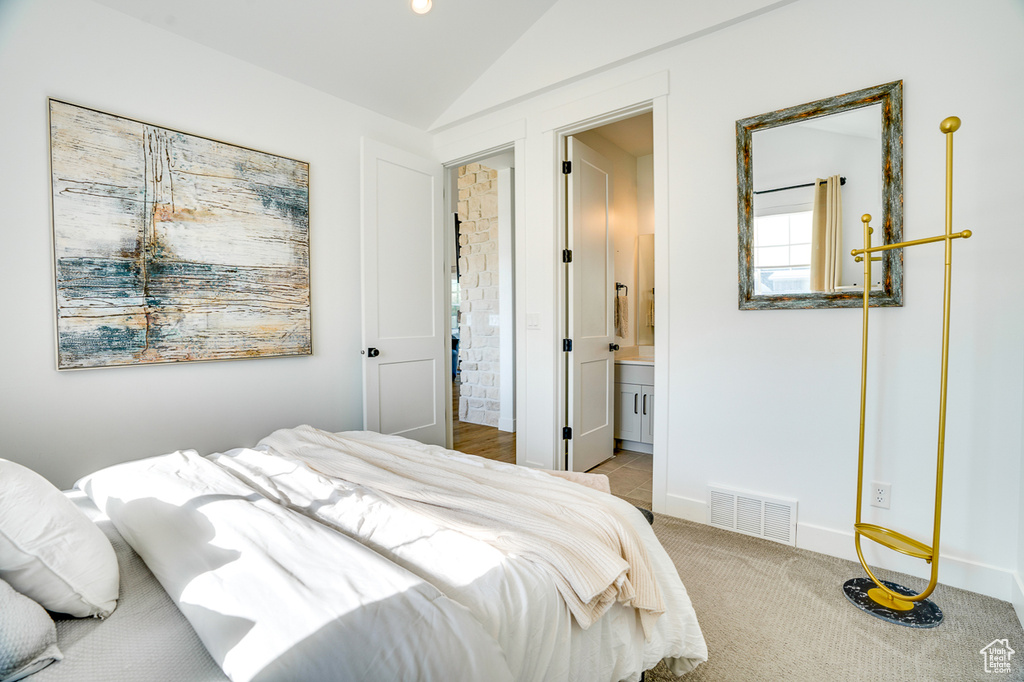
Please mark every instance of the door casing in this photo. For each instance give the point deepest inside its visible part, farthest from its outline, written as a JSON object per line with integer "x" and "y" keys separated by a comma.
{"x": 502, "y": 159}
{"x": 564, "y": 308}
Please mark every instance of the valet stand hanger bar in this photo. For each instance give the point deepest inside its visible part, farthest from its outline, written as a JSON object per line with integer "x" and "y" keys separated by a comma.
{"x": 886, "y": 600}
{"x": 842, "y": 181}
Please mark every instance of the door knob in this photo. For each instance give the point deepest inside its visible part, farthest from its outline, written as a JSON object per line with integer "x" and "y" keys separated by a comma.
{"x": 612, "y": 347}
{"x": 372, "y": 352}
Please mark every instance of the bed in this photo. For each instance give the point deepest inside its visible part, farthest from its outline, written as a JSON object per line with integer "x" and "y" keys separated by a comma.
{"x": 357, "y": 556}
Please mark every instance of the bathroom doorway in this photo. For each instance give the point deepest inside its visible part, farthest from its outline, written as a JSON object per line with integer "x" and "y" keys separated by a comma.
{"x": 627, "y": 146}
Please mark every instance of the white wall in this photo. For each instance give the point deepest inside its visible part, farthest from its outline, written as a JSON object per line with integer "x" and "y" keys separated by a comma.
{"x": 67, "y": 424}
{"x": 645, "y": 194}
{"x": 768, "y": 400}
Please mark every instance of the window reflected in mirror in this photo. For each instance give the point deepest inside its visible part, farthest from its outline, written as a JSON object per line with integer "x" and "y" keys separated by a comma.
{"x": 782, "y": 252}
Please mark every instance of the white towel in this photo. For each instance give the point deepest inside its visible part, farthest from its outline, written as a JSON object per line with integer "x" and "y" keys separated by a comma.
{"x": 621, "y": 315}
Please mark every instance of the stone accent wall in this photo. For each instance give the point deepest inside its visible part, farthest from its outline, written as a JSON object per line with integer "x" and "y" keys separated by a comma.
{"x": 479, "y": 401}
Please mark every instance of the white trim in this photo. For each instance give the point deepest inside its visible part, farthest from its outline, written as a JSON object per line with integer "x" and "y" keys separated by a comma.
{"x": 537, "y": 387}
{"x": 466, "y": 150}
{"x": 589, "y": 112}
{"x": 449, "y": 182}
{"x": 557, "y": 144}
{"x": 540, "y": 394}
{"x": 506, "y": 300}
{"x": 557, "y": 141}
{"x": 685, "y": 508}
{"x": 511, "y": 204}
{"x": 636, "y": 446}
{"x": 954, "y": 571}
{"x": 1018, "y": 596}
{"x": 626, "y": 101}
{"x": 662, "y": 309}
{"x": 519, "y": 211}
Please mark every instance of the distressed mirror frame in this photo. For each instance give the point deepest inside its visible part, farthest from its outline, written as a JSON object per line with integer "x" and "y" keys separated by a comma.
{"x": 889, "y": 226}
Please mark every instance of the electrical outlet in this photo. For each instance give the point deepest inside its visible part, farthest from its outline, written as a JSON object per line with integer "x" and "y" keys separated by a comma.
{"x": 880, "y": 494}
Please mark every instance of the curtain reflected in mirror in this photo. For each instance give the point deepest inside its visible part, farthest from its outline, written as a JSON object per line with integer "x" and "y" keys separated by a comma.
{"x": 827, "y": 236}
{"x": 803, "y": 173}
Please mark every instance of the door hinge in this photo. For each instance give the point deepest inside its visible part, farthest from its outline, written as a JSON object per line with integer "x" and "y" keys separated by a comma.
{"x": 566, "y": 255}
{"x": 567, "y": 433}
{"x": 567, "y": 345}
{"x": 566, "y": 167}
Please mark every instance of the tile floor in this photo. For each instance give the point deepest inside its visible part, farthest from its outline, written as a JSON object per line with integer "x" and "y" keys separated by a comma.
{"x": 629, "y": 474}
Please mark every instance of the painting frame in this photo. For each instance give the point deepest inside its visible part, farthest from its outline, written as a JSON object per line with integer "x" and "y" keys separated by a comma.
{"x": 171, "y": 247}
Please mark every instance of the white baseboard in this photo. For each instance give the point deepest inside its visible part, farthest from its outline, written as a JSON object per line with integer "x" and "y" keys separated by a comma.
{"x": 1018, "y": 596}
{"x": 507, "y": 424}
{"x": 953, "y": 571}
{"x": 636, "y": 446}
{"x": 685, "y": 508}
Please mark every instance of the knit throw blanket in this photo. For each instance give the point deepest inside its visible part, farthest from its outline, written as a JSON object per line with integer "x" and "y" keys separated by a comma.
{"x": 595, "y": 557}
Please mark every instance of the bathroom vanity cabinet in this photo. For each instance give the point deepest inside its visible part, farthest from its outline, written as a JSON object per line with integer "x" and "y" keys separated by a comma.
{"x": 634, "y": 404}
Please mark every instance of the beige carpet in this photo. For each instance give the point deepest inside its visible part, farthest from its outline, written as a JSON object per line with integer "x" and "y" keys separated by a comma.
{"x": 771, "y": 612}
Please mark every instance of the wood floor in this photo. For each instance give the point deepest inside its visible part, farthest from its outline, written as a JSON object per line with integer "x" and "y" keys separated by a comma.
{"x": 629, "y": 473}
{"x": 484, "y": 441}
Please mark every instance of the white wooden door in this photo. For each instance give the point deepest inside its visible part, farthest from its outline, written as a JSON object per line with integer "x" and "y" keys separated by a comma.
{"x": 590, "y": 325}
{"x": 406, "y": 347}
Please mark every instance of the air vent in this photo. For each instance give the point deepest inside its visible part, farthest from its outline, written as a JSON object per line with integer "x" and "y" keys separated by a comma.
{"x": 772, "y": 518}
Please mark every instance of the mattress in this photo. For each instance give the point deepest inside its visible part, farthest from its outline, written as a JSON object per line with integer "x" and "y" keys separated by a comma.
{"x": 171, "y": 622}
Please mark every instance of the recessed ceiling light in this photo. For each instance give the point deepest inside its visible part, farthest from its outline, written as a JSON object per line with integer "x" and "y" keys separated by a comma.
{"x": 422, "y": 6}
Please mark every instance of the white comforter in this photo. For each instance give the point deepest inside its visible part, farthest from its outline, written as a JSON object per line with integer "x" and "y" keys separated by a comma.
{"x": 393, "y": 596}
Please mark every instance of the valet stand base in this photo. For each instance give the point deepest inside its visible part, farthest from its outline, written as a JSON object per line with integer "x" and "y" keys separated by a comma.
{"x": 865, "y": 595}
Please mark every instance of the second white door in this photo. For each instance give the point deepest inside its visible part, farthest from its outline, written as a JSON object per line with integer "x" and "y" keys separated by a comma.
{"x": 405, "y": 331}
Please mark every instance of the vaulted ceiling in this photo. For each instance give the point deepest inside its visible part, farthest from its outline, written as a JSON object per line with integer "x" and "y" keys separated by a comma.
{"x": 374, "y": 53}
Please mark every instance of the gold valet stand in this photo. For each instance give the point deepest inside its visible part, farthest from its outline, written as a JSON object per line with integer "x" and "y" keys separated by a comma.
{"x": 880, "y": 598}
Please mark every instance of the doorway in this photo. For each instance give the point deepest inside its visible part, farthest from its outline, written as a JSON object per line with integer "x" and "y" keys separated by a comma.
{"x": 483, "y": 306}
{"x": 626, "y": 149}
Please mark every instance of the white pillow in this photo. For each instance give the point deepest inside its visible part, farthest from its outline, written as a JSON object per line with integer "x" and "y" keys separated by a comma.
{"x": 28, "y": 637}
{"x": 50, "y": 551}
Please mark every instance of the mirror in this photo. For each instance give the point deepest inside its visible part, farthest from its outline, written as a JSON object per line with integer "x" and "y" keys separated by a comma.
{"x": 794, "y": 236}
{"x": 645, "y": 290}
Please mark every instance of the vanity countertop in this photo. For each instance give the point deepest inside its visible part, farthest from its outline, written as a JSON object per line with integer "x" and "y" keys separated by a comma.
{"x": 634, "y": 360}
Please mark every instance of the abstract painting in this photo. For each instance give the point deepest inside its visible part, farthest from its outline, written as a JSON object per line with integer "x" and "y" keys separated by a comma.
{"x": 171, "y": 247}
